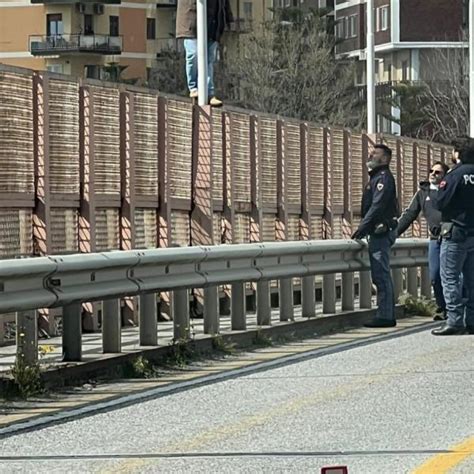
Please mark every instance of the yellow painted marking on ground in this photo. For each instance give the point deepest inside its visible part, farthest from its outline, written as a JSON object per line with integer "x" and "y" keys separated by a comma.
{"x": 445, "y": 462}
{"x": 287, "y": 407}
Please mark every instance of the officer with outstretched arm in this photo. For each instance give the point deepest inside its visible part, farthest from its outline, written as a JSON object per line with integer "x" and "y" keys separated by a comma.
{"x": 379, "y": 220}
{"x": 455, "y": 200}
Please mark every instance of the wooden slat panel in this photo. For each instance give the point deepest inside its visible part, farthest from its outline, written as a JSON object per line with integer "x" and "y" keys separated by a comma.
{"x": 357, "y": 170}
{"x": 64, "y": 136}
{"x": 217, "y": 155}
{"x": 16, "y": 133}
{"x": 16, "y": 232}
{"x": 316, "y": 227}
{"x": 179, "y": 123}
{"x": 423, "y": 165}
{"x": 64, "y": 230}
{"x": 293, "y": 163}
{"x": 337, "y": 167}
{"x": 391, "y": 142}
{"x": 268, "y": 154}
{"x": 145, "y": 228}
{"x": 407, "y": 173}
{"x": 145, "y": 119}
{"x": 107, "y": 140}
{"x": 268, "y": 228}
{"x": 240, "y": 143}
{"x": 316, "y": 165}
{"x": 107, "y": 229}
{"x": 180, "y": 229}
{"x": 217, "y": 227}
{"x": 293, "y": 227}
{"x": 241, "y": 228}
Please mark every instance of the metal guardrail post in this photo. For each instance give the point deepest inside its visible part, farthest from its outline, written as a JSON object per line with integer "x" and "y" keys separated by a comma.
{"x": 308, "y": 298}
{"x": 329, "y": 294}
{"x": 412, "y": 281}
{"x": 180, "y": 305}
{"x": 72, "y": 332}
{"x": 397, "y": 276}
{"x": 365, "y": 290}
{"x": 148, "y": 323}
{"x": 238, "y": 307}
{"x": 111, "y": 326}
{"x": 27, "y": 336}
{"x": 347, "y": 291}
{"x": 425, "y": 282}
{"x": 211, "y": 310}
{"x": 286, "y": 300}
{"x": 264, "y": 310}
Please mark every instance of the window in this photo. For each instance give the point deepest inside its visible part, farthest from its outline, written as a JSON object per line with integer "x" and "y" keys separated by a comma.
{"x": 57, "y": 68}
{"x": 352, "y": 27}
{"x": 88, "y": 24}
{"x": 113, "y": 25}
{"x": 150, "y": 28}
{"x": 382, "y": 18}
{"x": 92, "y": 71}
{"x": 248, "y": 11}
{"x": 341, "y": 28}
{"x": 54, "y": 24}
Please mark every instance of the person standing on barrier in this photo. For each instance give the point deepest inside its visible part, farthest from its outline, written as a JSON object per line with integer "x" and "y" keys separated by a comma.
{"x": 455, "y": 200}
{"x": 423, "y": 201}
{"x": 379, "y": 221}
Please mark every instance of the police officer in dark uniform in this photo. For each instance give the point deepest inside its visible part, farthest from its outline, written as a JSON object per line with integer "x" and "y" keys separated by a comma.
{"x": 455, "y": 200}
{"x": 379, "y": 221}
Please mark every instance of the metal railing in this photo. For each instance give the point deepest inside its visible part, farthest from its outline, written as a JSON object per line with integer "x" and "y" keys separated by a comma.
{"x": 75, "y": 43}
{"x": 68, "y": 281}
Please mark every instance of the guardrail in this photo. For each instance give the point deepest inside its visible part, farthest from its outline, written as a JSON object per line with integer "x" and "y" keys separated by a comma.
{"x": 68, "y": 281}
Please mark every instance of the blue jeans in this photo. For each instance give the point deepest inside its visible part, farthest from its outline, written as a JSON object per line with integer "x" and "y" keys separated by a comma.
{"x": 379, "y": 254}
{"x": 458, "y": 258}
{"x": 190, "y": 46}
{"x": 435, "y": 274}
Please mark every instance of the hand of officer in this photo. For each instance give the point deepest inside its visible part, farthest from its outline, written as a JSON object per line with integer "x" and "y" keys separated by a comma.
{"x": 357, "y": 235}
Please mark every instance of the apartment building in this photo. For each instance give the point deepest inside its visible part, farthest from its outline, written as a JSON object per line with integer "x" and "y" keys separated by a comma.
{"x": 86, "y": 38}
{"x": 407, "y": 35}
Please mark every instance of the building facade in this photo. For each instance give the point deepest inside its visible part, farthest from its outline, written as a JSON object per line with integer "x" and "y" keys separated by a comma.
{"x": 96, "y": 39}
{"x": 408, "y": 34}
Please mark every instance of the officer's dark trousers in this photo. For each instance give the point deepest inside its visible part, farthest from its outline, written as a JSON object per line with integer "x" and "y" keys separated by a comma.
{"x": 379, "y": 253}
{"x": 457, "y": 258}
{"x": 435, "y": 273}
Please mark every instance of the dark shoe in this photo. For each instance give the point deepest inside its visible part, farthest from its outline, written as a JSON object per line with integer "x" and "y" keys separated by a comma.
{"x": 380, "y": 323}
{"x": 447, "y": 331}
{"x": 470, "y": 330}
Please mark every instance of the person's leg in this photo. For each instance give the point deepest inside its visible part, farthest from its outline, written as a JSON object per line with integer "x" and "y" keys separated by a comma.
{"x": 468, "y": 275}
{"x": 211, "y": 59}
{"x": 435, "y": 275}
{"x": 452, "y": 257}
{"x": 379, "y": 253}
{"x": 190, "y": 47}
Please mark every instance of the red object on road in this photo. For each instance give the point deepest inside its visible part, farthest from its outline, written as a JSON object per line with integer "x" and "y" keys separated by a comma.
{"x": 334, "y": 470}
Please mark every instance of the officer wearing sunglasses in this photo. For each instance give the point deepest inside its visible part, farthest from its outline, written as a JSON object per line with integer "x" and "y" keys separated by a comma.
{"x": 423, "y": 202}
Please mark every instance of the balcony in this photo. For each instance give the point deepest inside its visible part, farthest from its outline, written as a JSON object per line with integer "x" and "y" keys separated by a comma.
{"x": 166, "y": 4}
{"x": 74, "y": 44}
{"x": 74, "y": 2}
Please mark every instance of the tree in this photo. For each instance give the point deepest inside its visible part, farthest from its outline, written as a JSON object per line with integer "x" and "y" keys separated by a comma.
{"x": 287, "y": 66}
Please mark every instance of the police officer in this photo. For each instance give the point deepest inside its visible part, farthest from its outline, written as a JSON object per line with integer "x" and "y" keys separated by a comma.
{"x": 455, "y": 200}
{"x": 379, "y": 221}
{"x": 423, "y": 202}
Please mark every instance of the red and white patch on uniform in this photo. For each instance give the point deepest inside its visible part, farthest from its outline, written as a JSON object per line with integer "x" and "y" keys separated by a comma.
{"x": 379, "y": 187}
{"x": 442, "y": 184}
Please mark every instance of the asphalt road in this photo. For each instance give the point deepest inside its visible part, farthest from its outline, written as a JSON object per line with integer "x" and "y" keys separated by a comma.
{"x": 389, "y": 407}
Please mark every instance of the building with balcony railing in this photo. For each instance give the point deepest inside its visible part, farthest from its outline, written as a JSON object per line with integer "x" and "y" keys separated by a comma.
{"x": 71, "y": 44}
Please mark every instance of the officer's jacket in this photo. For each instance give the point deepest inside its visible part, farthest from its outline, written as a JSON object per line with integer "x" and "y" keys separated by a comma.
{"x": 455, "y": 198}
{"x": 423, "y": 201}
{"x": 379, "y": 201}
